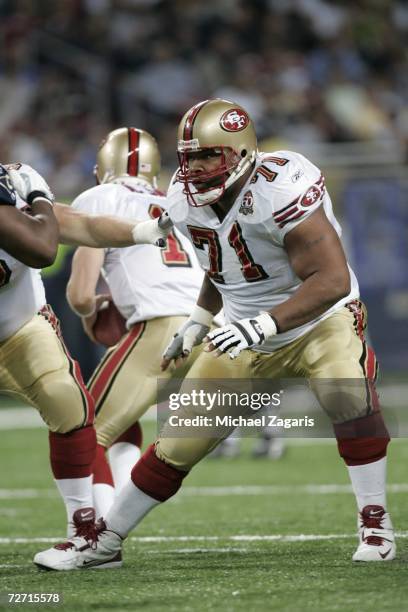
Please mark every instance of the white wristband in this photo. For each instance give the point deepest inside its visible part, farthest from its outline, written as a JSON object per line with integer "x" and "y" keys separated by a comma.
{"x": 41, "y": 198}
{"x": 202, "y": 316}
{"x": 267, "y": 324}
{"x": 147, "y": 232}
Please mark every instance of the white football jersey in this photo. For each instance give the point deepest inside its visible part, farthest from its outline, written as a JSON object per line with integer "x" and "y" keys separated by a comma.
{"x": 145, "y": 281}
{"x": 22, "y": 292}
{"x": 244, "y": 254}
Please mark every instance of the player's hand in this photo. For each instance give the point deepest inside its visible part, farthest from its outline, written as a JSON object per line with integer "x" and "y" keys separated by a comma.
{"x": 243, "y": 334}
{"x": 88, "y": 321}
{"x": 190, "y": 334}
{"x": 154, "y": 231}
{"x": 29, "y": 184}
{"x": 7, "y": 192}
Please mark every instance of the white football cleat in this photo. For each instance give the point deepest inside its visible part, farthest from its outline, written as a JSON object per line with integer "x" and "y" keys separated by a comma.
{"x": 376, "y": 535}
{"x": 92, "y": 546}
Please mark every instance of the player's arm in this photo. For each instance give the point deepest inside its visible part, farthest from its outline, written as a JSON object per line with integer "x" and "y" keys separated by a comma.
{"x": 30, "y": 238}
{"x": 85, "y": 271}
{"x": 192, "y": 332}
{"x": 209, "y": 298}
{"x": 81, "y": 229}
{"x": 317, "y": 257}
{"x": 81, "y": 289}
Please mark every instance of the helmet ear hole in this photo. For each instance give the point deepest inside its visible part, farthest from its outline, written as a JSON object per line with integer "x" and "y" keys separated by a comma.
{"x": 244, "y": 153}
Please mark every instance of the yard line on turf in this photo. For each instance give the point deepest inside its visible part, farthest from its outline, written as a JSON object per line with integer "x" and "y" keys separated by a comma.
{"x": 312, "y": 489}
{"x": 184, "y": 551}
{"x": 301, "y": 537}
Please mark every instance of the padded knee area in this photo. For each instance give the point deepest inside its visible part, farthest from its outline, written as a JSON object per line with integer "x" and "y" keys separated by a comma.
{"x": 155, "y": 477}
{"x": 72, "y": 454}
{"x": 362, "y": 440}
{"x": 61, "y": 403}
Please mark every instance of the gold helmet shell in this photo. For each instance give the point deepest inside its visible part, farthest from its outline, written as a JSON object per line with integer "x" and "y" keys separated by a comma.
{"x": 221, "y": 125}
{"x": 128, "y": 152}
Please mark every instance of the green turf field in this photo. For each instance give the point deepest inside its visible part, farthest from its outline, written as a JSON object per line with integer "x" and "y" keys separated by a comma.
{"x": 218, "y": 545}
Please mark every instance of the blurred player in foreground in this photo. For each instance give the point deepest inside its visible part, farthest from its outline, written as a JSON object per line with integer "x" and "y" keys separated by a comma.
{"x": 34, "y": 362}
{"x": 154, "y": 291}
{"x": 264, "y": 232}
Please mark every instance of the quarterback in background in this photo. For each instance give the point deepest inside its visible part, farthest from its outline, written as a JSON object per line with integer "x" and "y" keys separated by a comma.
{"x": 34, "y": 362}
{"x": 154, "y": 291}
{"x": 264, "y": 232}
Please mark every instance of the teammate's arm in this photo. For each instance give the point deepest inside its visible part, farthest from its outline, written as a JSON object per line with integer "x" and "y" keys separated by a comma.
{"x": 31, "y": 238}
{"x": 80, "y": 229}
{"x": 317, "y": 257}
{"x": 81, "y": 289}
{"x": 85, "y": 272}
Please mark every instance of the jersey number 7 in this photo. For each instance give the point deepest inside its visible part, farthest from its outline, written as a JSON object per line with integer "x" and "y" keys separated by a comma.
{"x": 201, "y": 236}
{"x": 173, "y": 254}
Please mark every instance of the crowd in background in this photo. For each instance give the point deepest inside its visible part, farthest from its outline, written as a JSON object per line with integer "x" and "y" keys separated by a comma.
{"x": 308, "y": 71}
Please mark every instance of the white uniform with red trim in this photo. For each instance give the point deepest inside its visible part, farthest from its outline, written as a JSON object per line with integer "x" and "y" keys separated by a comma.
{"x": 244, "y": 254}
{"x": 22, "y": 292}
{"x": 145, "y": 282}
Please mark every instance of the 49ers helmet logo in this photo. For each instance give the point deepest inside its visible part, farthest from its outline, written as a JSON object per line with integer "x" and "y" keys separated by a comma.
{"x": 234, "y": 120}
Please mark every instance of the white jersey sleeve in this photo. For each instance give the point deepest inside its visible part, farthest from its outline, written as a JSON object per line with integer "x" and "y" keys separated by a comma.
{"x": 99, "y": 200}
{"x": 290, "y": 189}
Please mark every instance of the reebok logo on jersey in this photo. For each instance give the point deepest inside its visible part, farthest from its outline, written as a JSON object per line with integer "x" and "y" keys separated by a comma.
{"x": 295, "y": 177}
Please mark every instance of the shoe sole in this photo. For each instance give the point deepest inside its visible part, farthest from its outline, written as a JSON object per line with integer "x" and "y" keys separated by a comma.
{"x": 108, "y": 565}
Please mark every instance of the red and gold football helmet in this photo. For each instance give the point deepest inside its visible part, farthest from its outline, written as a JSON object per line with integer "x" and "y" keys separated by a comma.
{"x": 128, "y": 152}
{"x": 226, "y": 129}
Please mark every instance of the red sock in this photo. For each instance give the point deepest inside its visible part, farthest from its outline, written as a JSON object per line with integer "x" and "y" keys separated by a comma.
{"x": 362, "y": 440}
{"x": 101, "y": 469}
{"x": 72, "y": 454}
{"x": 155, "y": 477}
{"x": 133, "y": 435}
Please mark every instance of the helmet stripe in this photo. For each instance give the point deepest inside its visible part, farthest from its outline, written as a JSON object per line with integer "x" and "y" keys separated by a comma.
{"x": 191, "y": 117}
{"x": 133, "y": 157}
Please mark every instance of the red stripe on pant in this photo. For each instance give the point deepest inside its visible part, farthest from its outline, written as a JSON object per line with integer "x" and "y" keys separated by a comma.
{"x": 100, "y": 383}
{"x": 370, "y": 367}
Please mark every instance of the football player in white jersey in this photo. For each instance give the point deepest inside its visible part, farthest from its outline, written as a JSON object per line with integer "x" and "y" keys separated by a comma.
{"x": 34, "y": 362}
{"x": 153, "y": 290}
{"x": 264, "y": 232}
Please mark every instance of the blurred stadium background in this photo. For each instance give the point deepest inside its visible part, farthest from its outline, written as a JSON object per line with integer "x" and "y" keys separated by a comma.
{"x": 328, "y": 79}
